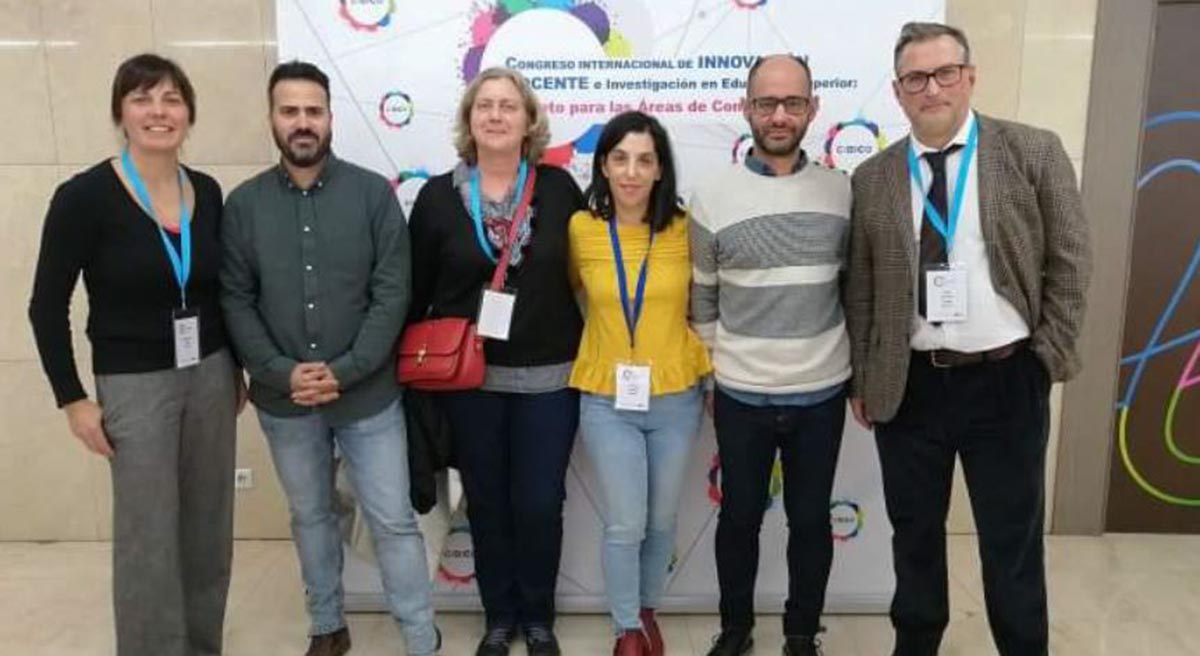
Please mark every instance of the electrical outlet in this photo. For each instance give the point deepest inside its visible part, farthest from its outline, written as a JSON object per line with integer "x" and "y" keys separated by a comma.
{"x": 243, "y": 479}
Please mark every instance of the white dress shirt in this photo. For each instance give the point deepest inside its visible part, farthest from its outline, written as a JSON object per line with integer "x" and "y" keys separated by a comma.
{"x": 991, "y": 320}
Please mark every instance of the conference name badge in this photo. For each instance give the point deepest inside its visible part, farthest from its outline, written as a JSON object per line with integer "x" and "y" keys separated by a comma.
{"x": 946, "y": 293}
{"x": 495, "y": 314}
{"x": 633, "y": 387}
{"x": 186, "y": 326}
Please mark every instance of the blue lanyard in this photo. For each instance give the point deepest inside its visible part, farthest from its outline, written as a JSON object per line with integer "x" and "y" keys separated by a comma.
{"x": 632, "y": 313}
{"x": 181, "y": 263}
{"x": 945, "y": 227}
{"x": 477, "y": 206}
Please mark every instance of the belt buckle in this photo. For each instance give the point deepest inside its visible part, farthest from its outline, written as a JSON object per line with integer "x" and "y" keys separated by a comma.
{"x": 937, "y": 364}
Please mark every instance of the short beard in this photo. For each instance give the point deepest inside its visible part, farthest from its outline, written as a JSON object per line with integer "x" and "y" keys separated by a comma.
{"x": 300, "y": 160}
{"x": 789, "y": 147}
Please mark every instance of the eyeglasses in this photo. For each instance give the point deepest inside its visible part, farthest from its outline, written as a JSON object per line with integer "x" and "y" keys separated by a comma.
{"x": 946, "y": 76}
{"x": 793, "y": 105}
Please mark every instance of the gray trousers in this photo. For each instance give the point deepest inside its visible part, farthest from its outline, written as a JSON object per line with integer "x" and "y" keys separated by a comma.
{"x": 174, "y": 436}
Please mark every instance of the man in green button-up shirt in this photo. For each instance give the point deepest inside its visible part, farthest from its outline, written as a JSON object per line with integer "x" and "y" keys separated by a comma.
{"x": 315, "y": 288}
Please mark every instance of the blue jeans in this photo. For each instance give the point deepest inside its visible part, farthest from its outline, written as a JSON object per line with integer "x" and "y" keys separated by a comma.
{"x": 376, "y": 450}
{"x": 512, "y": 450}
{"x": 640, "y": 459}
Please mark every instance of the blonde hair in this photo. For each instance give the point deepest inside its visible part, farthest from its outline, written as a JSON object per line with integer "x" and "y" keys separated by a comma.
{"x": 537, "y": 134}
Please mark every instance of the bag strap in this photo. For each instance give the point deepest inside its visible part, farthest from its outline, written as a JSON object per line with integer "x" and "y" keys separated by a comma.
{"x": 514, "y": 231}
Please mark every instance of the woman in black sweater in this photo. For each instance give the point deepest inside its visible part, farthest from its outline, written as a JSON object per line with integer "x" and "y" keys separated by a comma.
{"x": 513, "y": 437}
{"x": 143, "y": 231}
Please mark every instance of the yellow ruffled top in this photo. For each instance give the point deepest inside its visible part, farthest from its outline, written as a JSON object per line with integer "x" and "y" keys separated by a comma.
{"x": 675, "y": 354}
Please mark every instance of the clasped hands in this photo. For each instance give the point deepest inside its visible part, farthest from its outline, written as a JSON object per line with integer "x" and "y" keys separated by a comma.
{"x": 313, "y": 384}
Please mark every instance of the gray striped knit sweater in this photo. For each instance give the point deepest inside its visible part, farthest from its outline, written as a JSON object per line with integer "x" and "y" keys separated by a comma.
{"x": 766, "y": 257}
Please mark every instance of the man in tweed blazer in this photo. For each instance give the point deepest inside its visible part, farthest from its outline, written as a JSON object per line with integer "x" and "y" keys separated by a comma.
{"x": 964, "y": 298}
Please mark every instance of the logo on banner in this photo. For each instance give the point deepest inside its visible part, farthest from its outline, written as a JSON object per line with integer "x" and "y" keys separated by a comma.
{"x": 774, "y": 487}
{"x": 856, "y": 149}
{"x": 409, "y": 174}
{"x": 741, "y": 147}
{"x": 395, "y": 109}
{"x": 846, "y": 518}
{"x": 749, "y": 4}
{"x": 457, "y": 565}
{"x": 406, "y": 184}
{"x": 488, "y": 18}
{"x": 367, "y": 15}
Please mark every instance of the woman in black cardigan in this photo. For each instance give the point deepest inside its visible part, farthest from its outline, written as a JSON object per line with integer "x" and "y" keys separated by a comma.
{"x": 513, "y": 437}
{"x": 143, "y": 232}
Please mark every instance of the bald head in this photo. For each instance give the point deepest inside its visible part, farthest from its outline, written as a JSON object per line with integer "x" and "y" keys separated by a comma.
{"x": 783, "y": 68}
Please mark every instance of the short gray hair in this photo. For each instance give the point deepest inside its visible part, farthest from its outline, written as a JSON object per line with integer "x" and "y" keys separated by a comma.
{"x": 537, "y": 134}
{"x": 915, "y": 32}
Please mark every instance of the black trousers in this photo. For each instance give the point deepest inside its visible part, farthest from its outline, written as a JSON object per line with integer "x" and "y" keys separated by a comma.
{"x": 995, "y": 417}
{"x": 808, "y": 440}
{"x": 512, "y": 451}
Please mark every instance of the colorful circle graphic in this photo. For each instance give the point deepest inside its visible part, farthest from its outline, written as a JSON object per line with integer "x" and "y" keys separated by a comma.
{"x": 741, "y": 148}
{"x": 714, "y": 480}
{"x": 774, "y": 486}
{"x": 846, "y": 519}
{"x": 406, "y": 185}
{"x": 749, "y": 4}
{"x": 409, "y": 174}
{"x": 490, "y": 16}
{"x": 457, "y": 566}
{"x": 367, "y": 15}
{"x": 835, "y": 130}
{"x": 395, "y": 109}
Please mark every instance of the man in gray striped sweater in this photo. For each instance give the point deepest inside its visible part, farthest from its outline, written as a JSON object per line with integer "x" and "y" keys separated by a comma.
{"x": 768, "y": 242}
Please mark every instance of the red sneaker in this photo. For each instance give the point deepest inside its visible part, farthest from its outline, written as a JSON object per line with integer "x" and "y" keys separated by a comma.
{"x": 632, "y": 643}
{"x": 653, "y": 633}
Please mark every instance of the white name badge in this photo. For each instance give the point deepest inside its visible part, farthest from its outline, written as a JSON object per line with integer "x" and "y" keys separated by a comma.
{"x": 495, "y": 314}
{"x": 186, "y": 325}
{"x": 633, "y": 388}
{"x": 946, "y": 293}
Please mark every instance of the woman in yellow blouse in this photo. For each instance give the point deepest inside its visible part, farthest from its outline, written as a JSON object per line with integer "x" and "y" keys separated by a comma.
{"x": 639, "y": 366}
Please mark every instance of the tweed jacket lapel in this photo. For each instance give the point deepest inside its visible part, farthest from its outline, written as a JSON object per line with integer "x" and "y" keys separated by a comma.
{"x": 899, "y": 191}
{"x": 991, "y": 174}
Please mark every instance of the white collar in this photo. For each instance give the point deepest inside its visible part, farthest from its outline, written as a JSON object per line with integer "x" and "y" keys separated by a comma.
{"x": 961, "y": 138}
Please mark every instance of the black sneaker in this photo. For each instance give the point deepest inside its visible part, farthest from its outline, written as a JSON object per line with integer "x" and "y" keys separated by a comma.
{"x": 801, "y": 646}
{"x": 496, "y": 641}
{"x": 540, "y": 641}
{"x": 731, "y": 642}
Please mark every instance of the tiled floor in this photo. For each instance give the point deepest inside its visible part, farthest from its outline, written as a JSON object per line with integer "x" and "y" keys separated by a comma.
{"x": 1118, "y": 595}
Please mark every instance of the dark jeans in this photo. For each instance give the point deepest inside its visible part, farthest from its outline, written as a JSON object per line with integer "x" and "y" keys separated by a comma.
{"x": 512, "y": 451}
{"x": 808, "y": 440}
{"x": 994, "y": 416}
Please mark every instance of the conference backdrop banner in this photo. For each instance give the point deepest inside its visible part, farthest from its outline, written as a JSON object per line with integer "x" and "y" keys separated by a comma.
{"x": 397, "y": 70}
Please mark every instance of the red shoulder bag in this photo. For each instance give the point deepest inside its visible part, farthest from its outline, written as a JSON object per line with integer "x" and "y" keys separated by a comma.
{"x": 443, "y": 355}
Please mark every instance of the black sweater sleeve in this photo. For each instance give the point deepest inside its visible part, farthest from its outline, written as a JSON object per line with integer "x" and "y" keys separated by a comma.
{"x": 67, "y": 239}
{"x": 426, "y": 246}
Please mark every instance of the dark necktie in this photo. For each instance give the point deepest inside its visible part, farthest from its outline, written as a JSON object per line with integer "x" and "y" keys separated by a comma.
{"x": 933, "y": 244}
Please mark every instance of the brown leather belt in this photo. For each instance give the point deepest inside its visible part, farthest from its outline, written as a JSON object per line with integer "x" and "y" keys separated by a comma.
{"x": 947, "y": 359}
